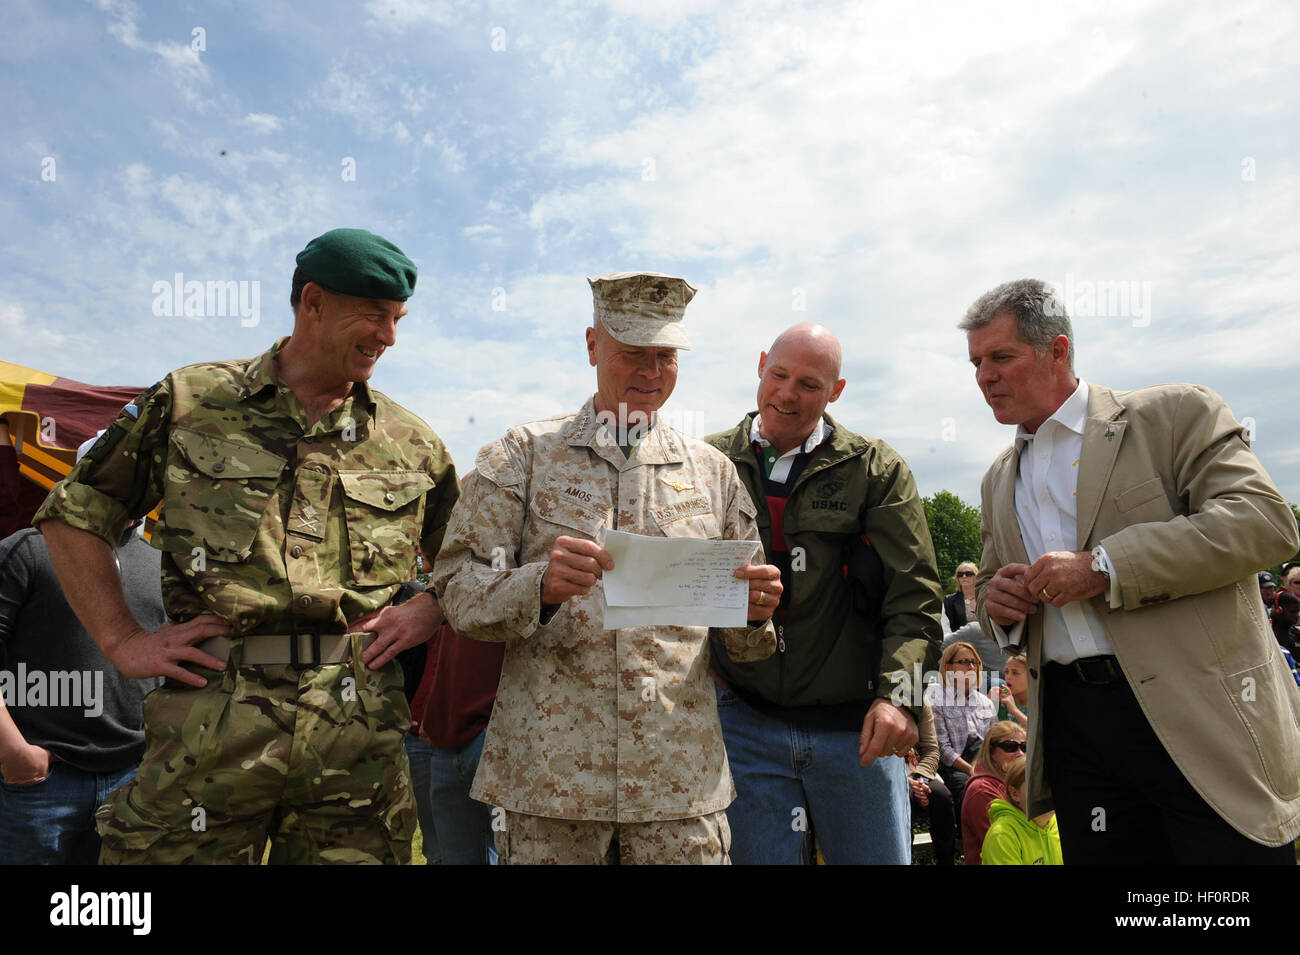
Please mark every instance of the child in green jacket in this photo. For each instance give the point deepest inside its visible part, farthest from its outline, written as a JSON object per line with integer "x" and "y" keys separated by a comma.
{"x": 1013, "y": 838}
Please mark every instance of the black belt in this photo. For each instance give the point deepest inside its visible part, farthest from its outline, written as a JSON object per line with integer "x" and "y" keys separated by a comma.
{"x": 1094, "y": 671}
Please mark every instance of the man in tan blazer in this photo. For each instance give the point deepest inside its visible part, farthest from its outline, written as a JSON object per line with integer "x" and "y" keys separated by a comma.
{"x": 1122, "y": 533}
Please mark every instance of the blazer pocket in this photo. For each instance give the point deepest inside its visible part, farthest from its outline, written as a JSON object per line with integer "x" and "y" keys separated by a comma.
{"x": 1144, "y": 503}
{"x": 1139, "y": 495}
{"x": 1263, "y": 705}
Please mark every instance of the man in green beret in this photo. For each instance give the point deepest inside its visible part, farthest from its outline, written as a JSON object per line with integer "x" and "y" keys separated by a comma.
{"x": 294, "y": 498}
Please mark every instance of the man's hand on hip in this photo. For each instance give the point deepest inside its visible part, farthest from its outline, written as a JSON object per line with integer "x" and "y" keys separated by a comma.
{"x": 26, "y": 766}
{"x": 573, "y": 569}
{"x": 398, "y": 628}
{"x": 887, "y": 730}
{"x": 1064, "y": 576}
{"x": 142, "y": 654}
{"x": 1006, "y": 598}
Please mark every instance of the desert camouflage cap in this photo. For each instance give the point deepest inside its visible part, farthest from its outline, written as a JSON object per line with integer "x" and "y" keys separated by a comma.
{"x": 643, "y": 308}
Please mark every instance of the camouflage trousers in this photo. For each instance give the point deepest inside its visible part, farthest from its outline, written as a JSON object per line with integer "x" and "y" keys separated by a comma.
{"x": 539, "y": 840}
{"x": 310, "y": 758}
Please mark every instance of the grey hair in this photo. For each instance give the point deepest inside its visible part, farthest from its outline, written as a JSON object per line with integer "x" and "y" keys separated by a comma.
{"x": 1040, "y": 313}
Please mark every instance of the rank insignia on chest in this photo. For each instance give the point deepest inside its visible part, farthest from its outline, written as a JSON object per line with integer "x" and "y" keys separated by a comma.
{"x": 678, "y": 485}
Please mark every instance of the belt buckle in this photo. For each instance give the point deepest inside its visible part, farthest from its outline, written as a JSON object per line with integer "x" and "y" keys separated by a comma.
{"x": 314, "y": 632}
{"x": 1083, "y": 669}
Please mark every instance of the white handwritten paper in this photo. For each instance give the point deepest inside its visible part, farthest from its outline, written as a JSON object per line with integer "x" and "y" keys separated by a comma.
{"x": 675, "y": 581}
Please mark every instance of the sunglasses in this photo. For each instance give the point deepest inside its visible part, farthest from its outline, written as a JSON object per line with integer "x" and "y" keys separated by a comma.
{"x": 1012, "y": 746}
{"x": 964, "y": 662}
{"x": 965, "y": 573}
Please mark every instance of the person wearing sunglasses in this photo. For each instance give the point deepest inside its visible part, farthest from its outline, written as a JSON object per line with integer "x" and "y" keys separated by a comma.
{"x": 959, "y": 606}
{"x": 962, "y": 716}
{"x": 1003, "y": 744}
{"x": 1013, "y": 838}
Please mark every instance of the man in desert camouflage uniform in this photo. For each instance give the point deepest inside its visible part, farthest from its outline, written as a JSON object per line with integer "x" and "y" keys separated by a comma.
{"x": 293, "y": 499}
{"x": 604, "y": 745}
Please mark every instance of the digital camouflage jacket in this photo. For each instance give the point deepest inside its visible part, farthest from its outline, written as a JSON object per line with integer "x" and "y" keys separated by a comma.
{"x": 589, "y": 723}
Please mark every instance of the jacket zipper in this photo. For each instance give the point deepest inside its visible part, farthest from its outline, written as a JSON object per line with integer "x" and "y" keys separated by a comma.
{"x": 780, "y": 649}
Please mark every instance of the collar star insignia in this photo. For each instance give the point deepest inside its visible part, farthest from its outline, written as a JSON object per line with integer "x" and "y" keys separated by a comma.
{"x": 678, "y": 485}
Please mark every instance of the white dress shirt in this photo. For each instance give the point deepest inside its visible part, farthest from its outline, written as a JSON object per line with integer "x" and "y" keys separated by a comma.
{"x": 1047, "y": 510}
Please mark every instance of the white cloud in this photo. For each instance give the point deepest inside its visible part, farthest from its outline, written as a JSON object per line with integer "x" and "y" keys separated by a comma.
{"x": 180, "y": 62}
{"x": 37, "y": 338}
{"x": 401, "y": 15}
{"x": 484, "y": 234}
{"x": 262, "y": 122}
{"x": 878, "y": 167}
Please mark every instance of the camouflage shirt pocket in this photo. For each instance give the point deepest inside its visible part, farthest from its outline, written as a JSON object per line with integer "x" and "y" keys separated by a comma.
{"x": 384, "y": 512}
{"x": 695, "y": 525}
{"x": 578, "y": 512}
{"x": 216, "y": 493}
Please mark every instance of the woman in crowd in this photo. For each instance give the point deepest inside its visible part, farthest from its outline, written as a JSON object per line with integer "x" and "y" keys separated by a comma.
{"x": 1004, "y": 743}
{"x": 962, "y": 715}
{"x": 959, "y": 607}
{"x": 1015, "y": 839}
{"x": 929, "y": 794}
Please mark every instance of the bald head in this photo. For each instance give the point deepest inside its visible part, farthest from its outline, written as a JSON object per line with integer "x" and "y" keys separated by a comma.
{"x": 797, "y": 378}
{"x": 812, "y": 341}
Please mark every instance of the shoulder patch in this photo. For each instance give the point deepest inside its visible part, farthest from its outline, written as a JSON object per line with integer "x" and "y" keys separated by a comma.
{"x": 499, "y": 463}
{"x": 104, "y": 446}
{"x": 116, "y": 431}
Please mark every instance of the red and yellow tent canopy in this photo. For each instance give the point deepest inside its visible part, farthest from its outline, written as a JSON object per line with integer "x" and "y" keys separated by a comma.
{"x": 50, "y": 417}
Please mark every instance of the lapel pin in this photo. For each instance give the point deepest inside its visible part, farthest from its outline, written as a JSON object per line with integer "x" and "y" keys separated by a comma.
{"x": 1110, "y": 433}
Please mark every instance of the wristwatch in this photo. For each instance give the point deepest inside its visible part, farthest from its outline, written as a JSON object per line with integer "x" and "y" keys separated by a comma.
{"x": 1098, "y": 564}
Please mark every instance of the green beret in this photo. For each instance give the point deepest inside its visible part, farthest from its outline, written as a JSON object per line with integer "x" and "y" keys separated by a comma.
{"x": 357, "y": 262}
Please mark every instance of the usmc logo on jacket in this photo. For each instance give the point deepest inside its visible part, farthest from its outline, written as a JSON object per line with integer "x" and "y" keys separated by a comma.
{"x": 825, "y": 493}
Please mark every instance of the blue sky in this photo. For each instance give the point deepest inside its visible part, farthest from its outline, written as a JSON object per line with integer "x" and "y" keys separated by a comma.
{"x": 868, "y": 166}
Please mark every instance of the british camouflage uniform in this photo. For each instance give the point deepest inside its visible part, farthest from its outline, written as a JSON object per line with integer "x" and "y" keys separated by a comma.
{"x": 279, "y": 526}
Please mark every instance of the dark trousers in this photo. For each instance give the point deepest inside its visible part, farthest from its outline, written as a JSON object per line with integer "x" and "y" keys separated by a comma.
{"x": 956, "y": 781}
{"x": 1119, "y": 798}
{"x": 942, "y": 820}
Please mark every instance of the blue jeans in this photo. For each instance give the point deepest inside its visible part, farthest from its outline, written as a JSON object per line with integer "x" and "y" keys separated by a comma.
{"x": 464, "y": 825}
{"x": 418, "y": 754}
{"x": 53, "y": 822}
{"x": 791, "y": 781}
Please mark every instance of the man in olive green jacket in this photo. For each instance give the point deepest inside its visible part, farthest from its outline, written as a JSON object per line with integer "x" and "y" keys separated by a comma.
{"x": 814, "y": 733}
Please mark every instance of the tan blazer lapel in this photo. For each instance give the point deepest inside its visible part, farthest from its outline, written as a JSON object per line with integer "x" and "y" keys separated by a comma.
{"x": 1011, "y": 545}
{"x": 1102, "y": 436}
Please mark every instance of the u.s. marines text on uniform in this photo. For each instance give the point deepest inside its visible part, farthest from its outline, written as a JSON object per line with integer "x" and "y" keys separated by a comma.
{"x": 603, "y": 743}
